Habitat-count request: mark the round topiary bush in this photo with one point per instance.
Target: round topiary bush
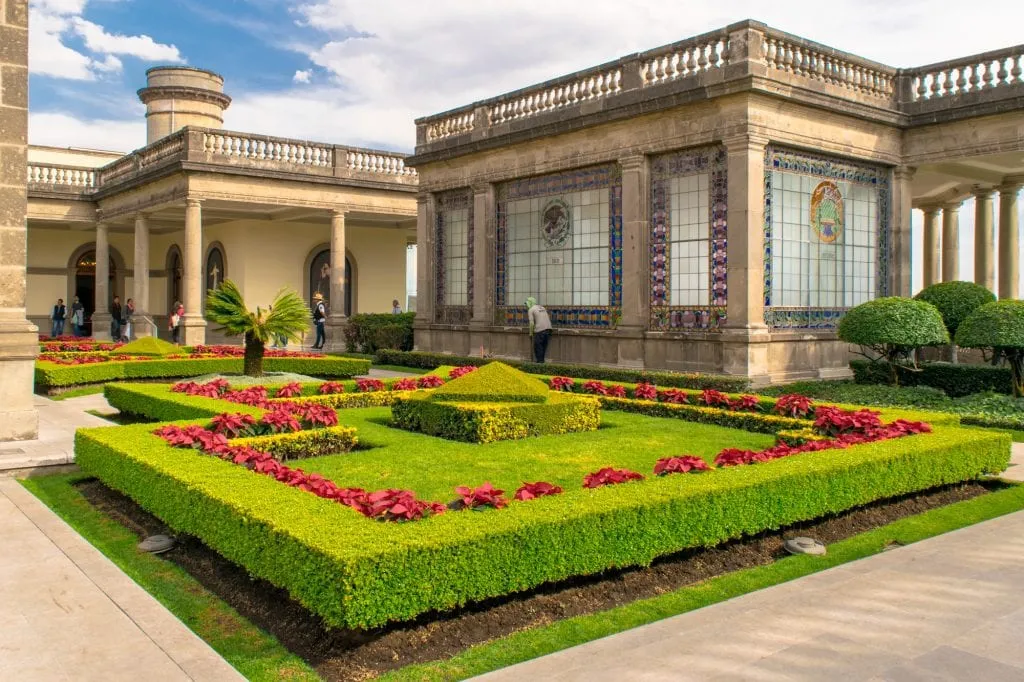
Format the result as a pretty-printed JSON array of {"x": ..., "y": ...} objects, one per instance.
[
  {"x": 1000, "y": 327},
  {"x": 955, "y": 301},
  {"x": 893, "y": 328}
]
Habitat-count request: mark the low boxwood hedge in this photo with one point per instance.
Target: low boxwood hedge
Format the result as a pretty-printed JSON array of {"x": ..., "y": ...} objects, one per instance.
[
  {"x": 334, "y": 440},
  {"x": 425, "y": 360},
  {"x": 51, "y": 375},
  {"x": 358, "y": 573},
  {"x": 955, "y": 380}
]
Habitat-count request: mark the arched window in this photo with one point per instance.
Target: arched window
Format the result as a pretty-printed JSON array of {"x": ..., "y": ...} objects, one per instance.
[
  {"x": 175, "y": 270},
  {"x": 214, "y": 273},
  {"x": 320, "y": 279}
]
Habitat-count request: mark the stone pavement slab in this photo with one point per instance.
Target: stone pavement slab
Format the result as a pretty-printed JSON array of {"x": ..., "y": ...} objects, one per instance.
[
  {"x": 947, "y": 608},
  {"x": 56, "y": 443},
  {"x": 68, "y": 613}
]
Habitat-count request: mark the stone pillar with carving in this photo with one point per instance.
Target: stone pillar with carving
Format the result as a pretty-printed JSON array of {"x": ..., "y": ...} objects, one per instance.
[
  {"x": 425, "y": 292},
  {"x": 745, "y": 335},
  {"x": 19, "y": 341},
  {"x": 635, "y": 260},
  {"x": 484, "y": 226},
  {"x": 336, "y": 319},
  {"x": 932, "y": 256},
  {"x": 140, "y": 278},
  {"x": 1009, "y": 239},
  {"x": 900, "y": 282},
  {"x": 194, "y": 325},
  {"x": 951, "y": 242},
  {"x": 984, "y": 239},
  {"x": 101, "y": 315}
]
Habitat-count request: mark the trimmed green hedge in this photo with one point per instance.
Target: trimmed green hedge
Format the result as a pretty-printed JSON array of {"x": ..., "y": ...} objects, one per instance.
[
  {"x": 357, "y": 573},
  {"x": 51, "y": 375},
  {"x": 370, "y": 332},
  {"x": 333, "y": 440},
  {"x": 424, "y": 360},
  {"x": 955, "y": 380}
]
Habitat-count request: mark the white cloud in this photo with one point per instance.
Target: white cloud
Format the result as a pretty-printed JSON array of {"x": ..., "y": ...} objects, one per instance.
[
  {"x": 51, "y": 22},
  {"x": 65, "y": 130},
  {"x": 303, "y": 76}
]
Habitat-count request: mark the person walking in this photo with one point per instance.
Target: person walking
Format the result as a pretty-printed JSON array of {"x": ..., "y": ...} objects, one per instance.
[
  {"x": 126, "y": 320},
  {"x": 116, "y": 315},
  {"x": 320, "y": 319},
  {"x": 395, "y": 308},
  {"x": 174, "y": 322},
  {"x": 77, "y": 318},
  {"x": 57, "y": 316},
  {"x": 540, "y": 328}
]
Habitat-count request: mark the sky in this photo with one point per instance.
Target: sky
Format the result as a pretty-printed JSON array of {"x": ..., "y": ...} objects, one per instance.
[{"x": 359, "y": 72}]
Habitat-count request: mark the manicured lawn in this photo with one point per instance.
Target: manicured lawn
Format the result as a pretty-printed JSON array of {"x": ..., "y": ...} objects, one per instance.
[
  {"x": 432, "y": 467},
  {"x": 255, "y": 654},
  {"x": 78, "y": 392}
]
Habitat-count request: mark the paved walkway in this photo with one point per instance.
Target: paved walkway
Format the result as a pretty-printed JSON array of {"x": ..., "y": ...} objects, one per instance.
[
  {"x": 948, "y": 608},
  {"x": 56, "y": 443},
  {"x": 68, "y": 613}
]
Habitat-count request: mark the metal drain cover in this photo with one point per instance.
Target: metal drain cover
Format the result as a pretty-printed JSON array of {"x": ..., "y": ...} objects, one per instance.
[
  {"x": 156, "y": 544},
  {"x": 804, "y": 546}
]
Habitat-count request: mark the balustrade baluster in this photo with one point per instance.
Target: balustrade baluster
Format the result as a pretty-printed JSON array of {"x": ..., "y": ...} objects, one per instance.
[
  {"x": 1015, "y": 71},
  {"x": 987, "y": 78},
  {"x": 1002, "y": 74}
]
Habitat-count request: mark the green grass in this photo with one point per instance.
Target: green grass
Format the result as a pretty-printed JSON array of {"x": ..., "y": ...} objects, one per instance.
[
  {"x": 399, "y": 368},
  {"x": 532, "y": 643},
  {"x": 255, "y": 654},
  {"x": 433, "y": 467},
  {"x": 78, "y": 392}
]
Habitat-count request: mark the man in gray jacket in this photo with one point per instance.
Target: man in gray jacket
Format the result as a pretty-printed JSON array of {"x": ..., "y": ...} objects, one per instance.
[{"x": 540, "y": 328}]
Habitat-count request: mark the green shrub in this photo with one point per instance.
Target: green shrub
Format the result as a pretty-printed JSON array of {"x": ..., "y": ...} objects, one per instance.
[
  {"x": 157, "y": 403},
  {"x": 425, "y": 360},
  {"x": 955, "y": 301},
  {"x": 333, "y": 440},
  {"x": 953, "y": 380},
  {"x": 354, "y": 572},
  {"x": 482, "y": 422},
  {"x": 149, "y": 345},
  {"x": 370, "y": 332},
  {"x": 495, "y": 382},
  {"x": 998, "y": 326},
  {"x": 893, "y": 328}
]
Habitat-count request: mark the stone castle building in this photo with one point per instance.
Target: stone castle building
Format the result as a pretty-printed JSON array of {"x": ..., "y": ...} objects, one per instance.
[
  {"x": 712, "y": 205},
  {"x": 199, "y": 204}
]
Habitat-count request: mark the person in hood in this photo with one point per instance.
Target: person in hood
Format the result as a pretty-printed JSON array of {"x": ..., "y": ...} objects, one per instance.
[{"x": 540, "y": 328}]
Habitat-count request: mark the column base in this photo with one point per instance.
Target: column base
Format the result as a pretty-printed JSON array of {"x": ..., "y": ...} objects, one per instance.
[
  {"x": 141, "y": 328},
  {"x": 745, "y": 353},
  {"x": 101, "y": 326},
  {"x": 193, "y": 331},
  {"x": 19, "y": 345},
  {"x": 335, "y": 334},
  {"x": 631, "y": 352}
]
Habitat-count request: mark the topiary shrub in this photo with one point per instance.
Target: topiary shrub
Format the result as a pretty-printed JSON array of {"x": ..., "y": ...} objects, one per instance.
[
  {"x": 955, "y": 301},
  {"x": 370, "y": 332},
  {"x": 149, "y": 345},
  {"x": 892, "y": 328},
  {"x": 998, "y": 326}
]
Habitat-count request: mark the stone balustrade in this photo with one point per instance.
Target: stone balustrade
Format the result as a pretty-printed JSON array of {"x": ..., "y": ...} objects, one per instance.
[
  {"x": 61, "y": 177},
  {"x": 684, "y": 59},
  {"x": 1000, "y": 69},
  {"x": 231, "y": 149},
  {"x": 785, "y": 53}
]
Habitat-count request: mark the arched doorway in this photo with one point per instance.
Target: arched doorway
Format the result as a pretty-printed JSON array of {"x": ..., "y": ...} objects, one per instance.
[
  {"x": 84, "y": 284},
  {"x": 320, "y": 279},
  {"x": 215, "y": 271},
  {"x": 175, "y": 277}
]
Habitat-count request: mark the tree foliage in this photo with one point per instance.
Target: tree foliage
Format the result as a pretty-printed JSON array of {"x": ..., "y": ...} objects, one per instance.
[
  {"x": 893, "y": 328},
  {"x": 287, "y": 317},
  {"x": 955, "y": 301},
  {"x": 998, "y": 326}
]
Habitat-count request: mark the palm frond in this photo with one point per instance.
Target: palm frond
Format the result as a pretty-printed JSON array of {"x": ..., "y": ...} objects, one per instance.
[{"x": 288, "y": 316}]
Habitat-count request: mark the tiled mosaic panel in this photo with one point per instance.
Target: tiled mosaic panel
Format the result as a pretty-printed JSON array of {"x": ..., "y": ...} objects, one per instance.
[
  {"x": 809, "y": 284},
  {"x": 580, "y": 283},
  {"x": 689, "y": 240},
  {"x": 454, "y": 257}
]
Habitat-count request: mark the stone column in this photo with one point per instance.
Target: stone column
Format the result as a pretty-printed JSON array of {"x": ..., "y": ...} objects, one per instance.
[
  {"x": 635, "y": 260},
  {"x": 984, "y": 237},
  {"x": 336, "y": 320},
  {"x": 1009, "y": 240},
  {"x": 194, "y": 325},
  {"x": 19, "y": 341},
  {"x": 101, "y": 315},
  {"x": 900, "y": 281},
  {"x": 425, "y": 293},
  {"x": 484, "y": 225},
  {"x": 745, "y": 335},
  {"x": 932, "y": 216},
  {"x": 951, "y": 242},
  {"x": 140, "y": 278}
]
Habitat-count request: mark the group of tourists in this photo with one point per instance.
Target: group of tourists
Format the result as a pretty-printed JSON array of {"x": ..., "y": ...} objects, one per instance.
[{"x": 120, "y": 318}]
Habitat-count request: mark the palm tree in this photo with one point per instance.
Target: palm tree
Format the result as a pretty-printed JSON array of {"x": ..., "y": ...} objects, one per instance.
[{"x": 287, "y": 316}]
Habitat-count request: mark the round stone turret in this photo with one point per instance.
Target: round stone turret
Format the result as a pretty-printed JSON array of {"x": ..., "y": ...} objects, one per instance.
[{"x": 179, "y": 96}]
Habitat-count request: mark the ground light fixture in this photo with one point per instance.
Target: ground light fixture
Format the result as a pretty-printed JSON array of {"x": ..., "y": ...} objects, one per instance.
[
  {"x": 804, "y": 546},
  {"x": 156, "y": 544}
]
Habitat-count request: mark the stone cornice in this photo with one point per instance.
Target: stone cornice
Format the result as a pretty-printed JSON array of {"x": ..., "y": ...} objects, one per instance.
[{"x": 149, "y": 94}]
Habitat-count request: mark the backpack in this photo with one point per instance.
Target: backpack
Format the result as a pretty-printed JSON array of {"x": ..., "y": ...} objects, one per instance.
[{"x": 319, "y": 313}]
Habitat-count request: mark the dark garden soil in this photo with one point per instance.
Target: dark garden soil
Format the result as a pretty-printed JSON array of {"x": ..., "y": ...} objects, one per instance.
[{"x": 348, "y": 655}]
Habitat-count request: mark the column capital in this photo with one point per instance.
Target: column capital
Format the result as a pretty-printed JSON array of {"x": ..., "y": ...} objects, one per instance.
[
  {"x": 981, "y": 192},
  {"x": 904, "y": 172},
  {"x": 1011, "y": 183},
  {"x": 951, "y": 206},
  {"x": 745, "y": 142},
  {"x": 142, "y": 215},
  {"x": 480, "y": 188},
  {"x": 339, "y": 213},
  {"x": 633, "y": 162},
  {"x": 423, "y": 198},
  {"x": 930, "y": 209},
  {"x": 193, "y": 202},
  {"x": 101, "y": 225}
]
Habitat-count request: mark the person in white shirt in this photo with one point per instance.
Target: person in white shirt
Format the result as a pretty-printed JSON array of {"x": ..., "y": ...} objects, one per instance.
[{"x": 540, "y": 328}]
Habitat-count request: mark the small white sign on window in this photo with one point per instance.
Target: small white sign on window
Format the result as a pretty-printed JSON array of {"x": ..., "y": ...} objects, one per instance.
[{"x": 555, "y": 260}]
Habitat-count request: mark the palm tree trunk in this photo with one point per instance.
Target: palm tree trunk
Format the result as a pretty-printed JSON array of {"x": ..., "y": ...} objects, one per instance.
[{"x": 253, "y": 363}]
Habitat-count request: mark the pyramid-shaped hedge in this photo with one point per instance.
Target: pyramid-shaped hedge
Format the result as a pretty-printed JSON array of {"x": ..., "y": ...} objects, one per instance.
[
  {"x": 149, "y": 345},
  {"x": 495, "y": 382}
]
